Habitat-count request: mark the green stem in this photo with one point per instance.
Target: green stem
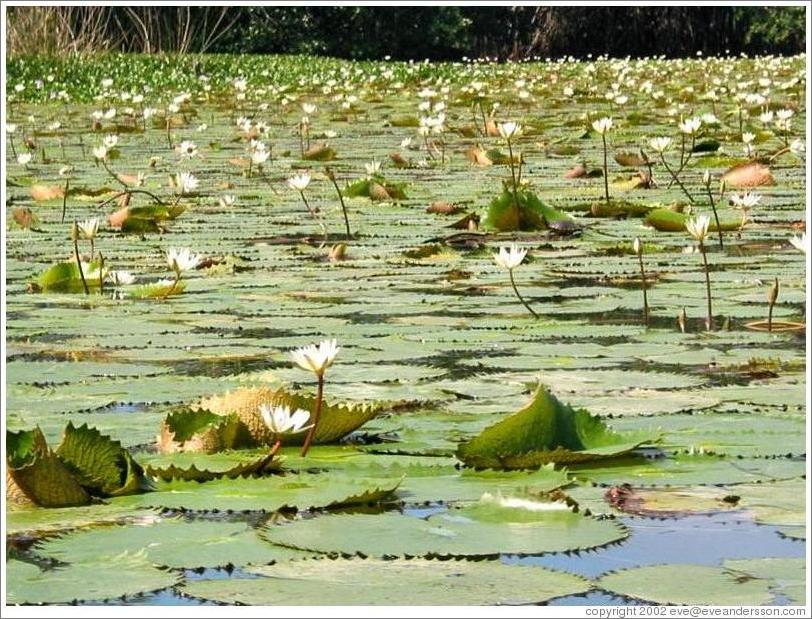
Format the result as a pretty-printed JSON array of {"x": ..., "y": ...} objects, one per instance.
[
  {"x": 645, "y": 287},
  {"x": 307, "y": 204},
  {"x": 516, "y": 290},
  {"x": 605, "y": 169},
  {"x": 676, "y": 179},
  {"x": 709, "y": 320},
  {"x": 716, "y": 217},
  {"x": 316, "y": 415},
  {"x": 343, "y": 206},
  {"x": 79, "y": 263},
  {"x": 65, "y": 198}
]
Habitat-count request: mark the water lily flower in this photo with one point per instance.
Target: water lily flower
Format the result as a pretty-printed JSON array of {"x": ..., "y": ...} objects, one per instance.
[
  {"x": 314, "y": 358},
  {"x": 228, "y": 200},
  {"x": 110, "y": 141},
  {"x": 690, "y": 126},
  {"x": 180, "y": 260},
  {"x": 89, "y": 228},
  {"x": 309, "y": 108},
  {"x": 120, "y": 278},
  {"x": 299, "y": 182},
  {"x": 24, "y": 159},
  {"x": 801, "y": 243},
  {"x": 186, "y": 149},
  {"x": 186, "y": 182},
  {"x": 603, "y": 125},
  {"x": 510, "y": 130},
  {"x": 660, "y": 145},
  {"x": 746, "y": 200},
  {"x": 372, "y": 168},
  {"x": 697, "y": 227},
  {"x": 100, "y": 153},
  {"x": 510, "y": 258},
  {"x": 280, "y": 419}
]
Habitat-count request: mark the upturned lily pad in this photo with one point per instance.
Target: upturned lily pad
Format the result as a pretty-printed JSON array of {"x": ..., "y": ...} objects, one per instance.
[
  {"x": 141, "y": 219},
  {"x": 486, "y": 528},
  {"x": 666, "y": 220},
  {"x": 200, "y": 430},
  {"x": 525, "y": 212},
  {"x": 91, "y": 580},
  {"x": 400, "y": 582},
  {"x": 65, "y": 277},
  {"x": 37, "y": 475},
  {"x": 546, "y": 430},
  {"x": 688, "y": 584},
  {"x": 337, "y": 420},
  {"x": 256, "y": 467},
  {"x": 376, "y": 188}
]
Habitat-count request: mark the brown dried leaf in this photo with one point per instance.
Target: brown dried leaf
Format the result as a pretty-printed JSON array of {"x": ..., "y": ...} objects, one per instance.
[
  {"x": 577, "y": 172},
  {"x": 478, "y": 156},
  {"x": 41, "y": 193},
  {"x": 443, "y": 208},
  {"x": 750, "y": 174}
]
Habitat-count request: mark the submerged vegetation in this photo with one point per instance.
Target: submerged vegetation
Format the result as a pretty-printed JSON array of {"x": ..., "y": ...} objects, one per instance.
[{"x": 181, "y": 232}]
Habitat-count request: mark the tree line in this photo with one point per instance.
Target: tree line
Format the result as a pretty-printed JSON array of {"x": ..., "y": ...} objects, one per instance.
[{"x": 433, "y": 32}]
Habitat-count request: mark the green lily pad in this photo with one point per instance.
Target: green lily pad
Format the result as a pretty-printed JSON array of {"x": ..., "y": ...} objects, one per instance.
[
  {"x": 415, "y": 582},
  {"x": 547, "y": 430}
]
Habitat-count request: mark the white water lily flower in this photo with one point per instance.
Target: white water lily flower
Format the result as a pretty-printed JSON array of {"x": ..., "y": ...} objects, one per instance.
[
  {"x": 697, "y": 227},
  {"x": 603, "y": 125},
  {"x": 100, "y": 153},
  {"x": 660, "y": 145},
  {"x": 748, "y": 137},
  {"x": 180, "y": 260},
  {"x": 89, "y": 227},
  {"x": 798, "y": 148},
  {"x": 24, "y": 158},
  {"x": 280, "y": 420},
  {"x": 373, "y": 167},
  {"x": 745, "y": 200},
  {"x": 510, "y": 258},
  {"x": 259, "y": 156},
  {"x": 11, "y": 128},
  {"x": 110, "y": 141},
  {"x": 314, "y": 358},
  {"x": 637, "y": 246},
  {"x": 309, "y": 108},
  {"x": 186, "y": 149},
  {"x": 690, "y": 126},
  {"x": 149, "y": 112},
  {"x": 227, "y": 201},
  {"x": 299, "y": 182},
  {"x": 121, "y": 278},
  {"x": 801, "y": 243},
  {"x": 186, "y": 182},
  {"x": 510, "y": 130}
]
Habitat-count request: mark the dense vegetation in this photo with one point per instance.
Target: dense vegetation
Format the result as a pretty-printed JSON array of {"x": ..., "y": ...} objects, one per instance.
[{"x": 411, "y": 32}]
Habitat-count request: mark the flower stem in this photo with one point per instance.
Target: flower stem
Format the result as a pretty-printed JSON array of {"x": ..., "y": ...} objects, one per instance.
[
  {"x": 676, "y": 179},
  {"x": 65, "y": 198},
  {"x": 173, "y": 286},
  {"x": 79, "y": 264},
  {"x": 316, "y": 415},
  {"x": 307, "y": 204},
  {"x": 605, "y": 170},
  {"x": 716, "y": 217},
  {"x": 516, "y": 290},
  {"x": 343, "y": 206},
  {"x": 709, "y": 319},
  {"x": 645, "y": 287}
]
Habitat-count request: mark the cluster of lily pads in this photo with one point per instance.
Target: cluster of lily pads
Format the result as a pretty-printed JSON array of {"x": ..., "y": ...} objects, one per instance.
[{"x": 287, "y": 200}]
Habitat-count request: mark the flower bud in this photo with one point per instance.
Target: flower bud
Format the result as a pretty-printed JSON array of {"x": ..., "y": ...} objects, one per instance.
[
  {"x": 773, "y": 294},
  {"x": 638, "y": 247}
]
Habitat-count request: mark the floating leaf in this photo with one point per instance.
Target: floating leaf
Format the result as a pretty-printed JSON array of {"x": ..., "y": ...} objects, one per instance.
[
  {"x": 267, "y": 463},
  {"x": 39, "y": 476},
  {"x": 750, "y": 174},
  {"x": 101, "y": 465},
  {"x": 547, "y": 431},
  {"x": 42, "y": 193},
  {"x": 65, "y": 277},
  {"x": 200, "y": 430},
  {"x": 140, "y": 219},
  {"x": 320, "y": 152},
  {"x": 629, "y": 160},
  {"x": 337, "y": 420},
  {"x": 479, "y": 530},
  {"x": 93, "y": 580},
  {"x": 687, "y": 584},
  {"x": 524, "y": 212},
  {"x": 666, "y": 220},
  {"x": 399, "y": 582}
]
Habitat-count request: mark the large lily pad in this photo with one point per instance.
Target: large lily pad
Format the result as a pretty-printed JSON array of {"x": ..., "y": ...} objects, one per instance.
[
  {"x": 413, "y": 582},
  {"x": 547, "y": 430},
  {"x": 482, "y": 529}
]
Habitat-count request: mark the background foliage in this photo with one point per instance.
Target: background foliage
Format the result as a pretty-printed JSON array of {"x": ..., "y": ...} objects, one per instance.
[{"x": 409, "y": 32}]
